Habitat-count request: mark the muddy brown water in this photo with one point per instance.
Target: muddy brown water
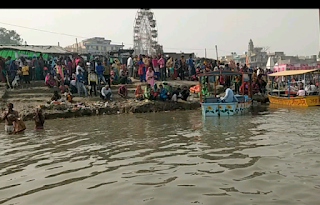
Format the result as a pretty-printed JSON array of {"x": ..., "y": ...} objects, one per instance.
[{"x": 270, "y": 156}]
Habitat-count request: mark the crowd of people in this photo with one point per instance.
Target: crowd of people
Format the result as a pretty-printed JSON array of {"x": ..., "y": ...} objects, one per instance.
[
  {"x": 163, "y": 93},
  {"x": 85, "y": 77},
  {"x": 163, "y": 67},
  {"x": 90, "y": 77}
]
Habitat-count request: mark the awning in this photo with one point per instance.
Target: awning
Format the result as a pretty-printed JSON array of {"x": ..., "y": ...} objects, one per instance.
[
  {"x": 292, "y": 72},
  {"x": 37, "y": 49}
]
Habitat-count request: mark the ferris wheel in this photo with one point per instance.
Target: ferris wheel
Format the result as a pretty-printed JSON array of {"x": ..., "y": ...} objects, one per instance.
[{"x": 145, "y": 37}]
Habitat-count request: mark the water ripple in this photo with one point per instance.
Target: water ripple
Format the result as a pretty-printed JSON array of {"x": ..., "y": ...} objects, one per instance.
[{"x": 271, "y": 156}]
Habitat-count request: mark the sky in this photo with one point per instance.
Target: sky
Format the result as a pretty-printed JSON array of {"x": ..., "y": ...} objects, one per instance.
[{"x": 293, "y": 31}]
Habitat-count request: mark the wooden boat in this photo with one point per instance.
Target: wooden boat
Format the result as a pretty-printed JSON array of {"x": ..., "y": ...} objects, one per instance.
[
  {"x": 288, "y": 98},
  {"x": 211, "y": 105}
]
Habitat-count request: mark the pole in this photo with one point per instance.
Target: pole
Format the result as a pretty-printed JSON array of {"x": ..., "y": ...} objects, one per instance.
[
  {"x": 289, "y": 86},
  {"x": 304, "y": 83},
  {"x": 215, "y": 87},
  {"x": 250, "y": 86},
  {"x": 278, "y": 88},
  {"x": 319, "y": 19},
  {"x": 217, "y": 51},
  {"x": 271, "y": 85},
  {"x": 77, "y": 44},
  {"x": 58, "y": 44},
  {"x": 205, "y": 53},
  {"x": 200, "y": 89}
]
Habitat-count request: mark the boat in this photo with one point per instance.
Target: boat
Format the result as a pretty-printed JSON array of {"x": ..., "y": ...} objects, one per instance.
[
  {"x": 288, "y": 97},
  {"x": 211, "y": 104}
]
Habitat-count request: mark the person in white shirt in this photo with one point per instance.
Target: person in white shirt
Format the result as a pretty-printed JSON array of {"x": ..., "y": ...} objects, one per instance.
[
  {"x": 73, "y": 84},
  {"x": 105, "y": 93},
  {"x": 79, "y": 67},
  {"x": 301, "y": 92},
  {"x": 258, "y": 71},
  {"x": 311, "y": 89},
  {"x": 229, "y": 96},
  {"x": 130, "y": 66}
]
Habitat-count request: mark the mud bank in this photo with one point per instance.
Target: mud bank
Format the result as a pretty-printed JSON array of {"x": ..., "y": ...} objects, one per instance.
[{"x": 130, "y": 106}]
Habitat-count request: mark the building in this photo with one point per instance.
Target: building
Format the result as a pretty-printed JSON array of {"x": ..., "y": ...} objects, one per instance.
[
  {"x": 241, "y": 59},
  {"x": 257, "y": 57},
  {"x": 297, "y": 59},
  {"x": 96, "y": 45}
]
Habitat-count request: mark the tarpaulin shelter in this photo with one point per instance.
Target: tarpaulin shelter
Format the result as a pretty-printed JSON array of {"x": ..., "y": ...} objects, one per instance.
[{"x": 15, "y": 51}]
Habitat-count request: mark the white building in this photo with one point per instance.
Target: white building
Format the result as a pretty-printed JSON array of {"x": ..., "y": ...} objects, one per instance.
[{"x": 96, "y": 45}]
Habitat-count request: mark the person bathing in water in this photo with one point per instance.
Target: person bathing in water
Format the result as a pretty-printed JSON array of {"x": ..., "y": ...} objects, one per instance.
[
  {"x": 38, "y": 118},
  {"x": 9, "y": 117}
]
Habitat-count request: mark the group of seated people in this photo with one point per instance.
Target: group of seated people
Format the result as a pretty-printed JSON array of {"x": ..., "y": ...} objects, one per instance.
[
  {"x": 163, "y": 92},
  {"x": 57, "y": 98},
  {"x": 310, "y": 89},
  {"x": 106, "y": 93}
]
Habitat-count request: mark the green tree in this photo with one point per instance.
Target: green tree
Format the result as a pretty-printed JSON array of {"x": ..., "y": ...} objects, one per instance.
[{"x": 10, "y": 37}]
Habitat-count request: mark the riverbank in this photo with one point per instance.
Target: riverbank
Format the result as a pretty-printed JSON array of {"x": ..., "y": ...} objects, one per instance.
[{"x": 25, "y": 101}]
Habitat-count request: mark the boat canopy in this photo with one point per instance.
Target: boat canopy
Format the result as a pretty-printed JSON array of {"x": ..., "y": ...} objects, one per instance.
[
  {"x": 223, "y": 72},
  {"x": 292, "y": 72}
]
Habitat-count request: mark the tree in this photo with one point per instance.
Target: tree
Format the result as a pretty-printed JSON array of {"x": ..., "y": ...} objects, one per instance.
[{"x": 10, "y": 37}]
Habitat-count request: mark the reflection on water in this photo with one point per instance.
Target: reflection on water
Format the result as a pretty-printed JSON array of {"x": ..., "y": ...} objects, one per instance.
[{"x": 270, "y": 156}]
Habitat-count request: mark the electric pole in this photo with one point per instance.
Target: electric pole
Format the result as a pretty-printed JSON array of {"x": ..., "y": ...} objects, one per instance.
[
  {"x": 77, "y": 44},
  {"x": 205, "y": 53},
  {"x": 217, "y": 51}
]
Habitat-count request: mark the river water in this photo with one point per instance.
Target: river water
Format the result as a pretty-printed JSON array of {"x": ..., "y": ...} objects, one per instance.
[{"x": 270, "y": 156}]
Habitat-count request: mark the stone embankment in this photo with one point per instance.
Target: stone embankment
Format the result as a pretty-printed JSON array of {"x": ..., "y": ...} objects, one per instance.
[
  {"x": 130, "y": 106},
  {"x": 25, "y": 101}
]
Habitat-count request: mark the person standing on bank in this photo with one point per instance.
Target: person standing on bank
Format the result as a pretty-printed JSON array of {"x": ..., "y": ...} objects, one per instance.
[
  {"x": 9, "y": 117},
  {"x": 190, "y": 66},
  {"x": 25, "y": 73},
  {"x": 182, "y": 67},
  {"x": 80, "y": 84},
  {"x": 99, "y": 71},
  {"x": 130, "y": 66},
  {"x": 162, "y": 68},
  {"x": 93, "y": 80},
  {"x": 106, "y": 72}
]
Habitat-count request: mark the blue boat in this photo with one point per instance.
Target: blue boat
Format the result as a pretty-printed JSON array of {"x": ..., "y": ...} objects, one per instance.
[{"x": 211, "y": 105}]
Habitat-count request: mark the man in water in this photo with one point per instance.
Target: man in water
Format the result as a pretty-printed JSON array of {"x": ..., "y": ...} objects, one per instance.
[
  {"x": 10, "y": 116},
  {"x": 229, "y": 96},
  {"x": 38, "y": 118}
]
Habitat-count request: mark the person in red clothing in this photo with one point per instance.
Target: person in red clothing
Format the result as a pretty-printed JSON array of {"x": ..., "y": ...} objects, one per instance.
[
  {"x": 140, "y": 69},
  {"x": 69, "y": 66},
  {"x": 244, "y": 87},
  {"x": 123, "y": 91}
]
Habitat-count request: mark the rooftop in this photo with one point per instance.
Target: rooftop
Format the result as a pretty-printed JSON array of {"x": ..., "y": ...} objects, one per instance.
[{"x": 36, "y": 48}]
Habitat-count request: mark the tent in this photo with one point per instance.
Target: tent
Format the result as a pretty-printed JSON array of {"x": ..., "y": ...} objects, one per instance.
[
  {"x": 270, "y": 63},
  {"x": 28, "y": 51}
]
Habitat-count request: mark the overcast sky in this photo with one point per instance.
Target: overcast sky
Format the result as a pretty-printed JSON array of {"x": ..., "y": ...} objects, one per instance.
[{"x": 294, "y": 31}]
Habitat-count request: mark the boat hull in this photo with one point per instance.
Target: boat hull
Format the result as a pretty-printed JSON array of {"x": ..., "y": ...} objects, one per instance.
[
  {"x": 307, "y": 101},
  {"x": 225, "y": 109}
]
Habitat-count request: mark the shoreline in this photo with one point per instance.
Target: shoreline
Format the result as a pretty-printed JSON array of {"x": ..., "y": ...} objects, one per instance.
[
  {"x": 26, "y": 100},
  {"x": 113, "y": 108}
]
